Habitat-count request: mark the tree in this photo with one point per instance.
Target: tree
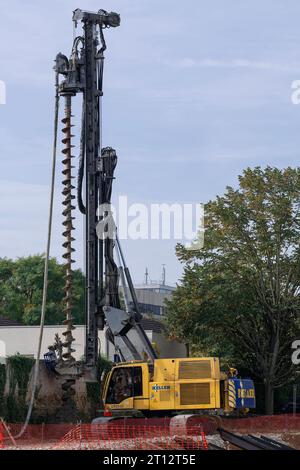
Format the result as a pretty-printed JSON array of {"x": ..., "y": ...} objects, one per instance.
[
  {"x": 240, "y": 293},
  {"x": 21, "y": 287}
]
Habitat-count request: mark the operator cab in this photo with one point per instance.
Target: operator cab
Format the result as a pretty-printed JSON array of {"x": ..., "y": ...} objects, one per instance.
[{"x": 124, "y": 383}]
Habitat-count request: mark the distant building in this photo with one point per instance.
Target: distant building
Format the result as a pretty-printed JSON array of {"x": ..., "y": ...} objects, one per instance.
[
  {"x": 151, "y": 297},
  {"x": 5, "y": 323}
]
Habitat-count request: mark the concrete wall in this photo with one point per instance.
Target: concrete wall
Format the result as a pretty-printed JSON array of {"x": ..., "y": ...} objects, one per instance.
[{"x": 24, "y": 340}]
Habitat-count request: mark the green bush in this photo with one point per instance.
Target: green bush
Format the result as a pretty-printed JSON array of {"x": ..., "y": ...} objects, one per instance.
[{"x": 14, "y": 406}]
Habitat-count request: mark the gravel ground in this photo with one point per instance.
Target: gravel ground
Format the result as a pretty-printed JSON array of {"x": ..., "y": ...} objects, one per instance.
[{"x": 292, "y": 439}]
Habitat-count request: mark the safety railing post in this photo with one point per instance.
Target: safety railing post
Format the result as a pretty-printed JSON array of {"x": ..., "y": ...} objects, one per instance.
[
  {"x": 294, "y": 399},
  {"x": 80, "y": 434}
]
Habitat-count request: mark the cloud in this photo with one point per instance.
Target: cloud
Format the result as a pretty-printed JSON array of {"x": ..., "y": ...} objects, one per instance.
[
  {"x": 23, "y": 215},
  {"x": 207, "y": 87},
  {"x": 24, "y": 221},
  {"x": 187, "y": 62}
]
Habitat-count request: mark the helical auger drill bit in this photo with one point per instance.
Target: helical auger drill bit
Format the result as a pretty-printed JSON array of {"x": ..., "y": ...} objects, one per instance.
[{"x": 67, "y": 234}]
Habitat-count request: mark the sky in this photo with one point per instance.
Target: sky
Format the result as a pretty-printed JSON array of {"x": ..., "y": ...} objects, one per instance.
[{"x": 194, "y": 92}]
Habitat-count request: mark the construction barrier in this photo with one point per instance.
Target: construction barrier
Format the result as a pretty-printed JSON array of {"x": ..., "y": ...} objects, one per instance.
[
  {"x": 36, "y": 436},
  {"x": 1, "y": 435},
  {"x": 248, "y": 424},
  {"x": 126, "y": 436},
  {"x": 264, "y": 424},
  {"x": 140, "y": 433}
]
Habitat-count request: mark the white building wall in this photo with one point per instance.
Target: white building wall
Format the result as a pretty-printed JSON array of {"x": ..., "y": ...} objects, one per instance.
[{"x": 24, "y": 340}]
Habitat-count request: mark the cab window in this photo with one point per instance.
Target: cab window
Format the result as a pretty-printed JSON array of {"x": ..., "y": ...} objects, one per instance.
[
  {"x": 125, "y": 382},
  {"x": 120, "y": 386},
  {"x": 137, "y": 381}
]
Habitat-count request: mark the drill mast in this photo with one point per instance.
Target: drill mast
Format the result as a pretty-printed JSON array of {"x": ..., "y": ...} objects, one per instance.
[{"x": 83, "y": 73}]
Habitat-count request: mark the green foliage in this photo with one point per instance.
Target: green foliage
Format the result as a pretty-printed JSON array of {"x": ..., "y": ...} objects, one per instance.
[
  {"x": 2, "y": 387},
  {"x": 20, "y": 368},
  {"x": 21, "y": 287},
  {"x": 239, "y": 294},
  {"x": 14, "y": 404},
  {"x": 94, "y": 389}
]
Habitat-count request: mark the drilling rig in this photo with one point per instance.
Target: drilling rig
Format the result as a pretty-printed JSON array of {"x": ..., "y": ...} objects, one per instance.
[
  {"x": 139, "y": 380},
  {"x": 82, "y": 73}
]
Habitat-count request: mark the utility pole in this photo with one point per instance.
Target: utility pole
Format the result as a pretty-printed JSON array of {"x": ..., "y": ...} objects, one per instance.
[
  {"x": 146, "y": 276},
  {"x": 163, "y": 275}
]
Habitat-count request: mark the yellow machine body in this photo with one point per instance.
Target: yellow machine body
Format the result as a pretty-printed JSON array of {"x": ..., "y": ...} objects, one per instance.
[{"x": 168, "y": 384}]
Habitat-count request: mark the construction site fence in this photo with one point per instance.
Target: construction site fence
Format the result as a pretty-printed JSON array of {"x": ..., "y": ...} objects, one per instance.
[
  {"x": 139, "y": 433},
  {"x": 264, "y": 424},
  {"x": 130, "y": 437}
]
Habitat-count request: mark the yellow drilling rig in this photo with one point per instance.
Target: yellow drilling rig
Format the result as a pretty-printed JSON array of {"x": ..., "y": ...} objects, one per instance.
[{"x": 139, "y": 380}]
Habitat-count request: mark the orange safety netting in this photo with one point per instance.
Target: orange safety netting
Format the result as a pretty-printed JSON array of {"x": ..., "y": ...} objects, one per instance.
[
  {"x": 263, "y": 424},
  {"x": 142, "y": 433},
  {"x": 130, "y": 437},
  {"x": 36, "y": 436}
]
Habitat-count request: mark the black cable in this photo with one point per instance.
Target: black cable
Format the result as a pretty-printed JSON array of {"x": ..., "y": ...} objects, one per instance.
[
  {"x": 80, "y": 202},
  {"x": 100, "y": 56}
]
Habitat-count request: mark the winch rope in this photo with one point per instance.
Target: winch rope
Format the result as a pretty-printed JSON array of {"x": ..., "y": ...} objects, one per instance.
[{"x": 46, "y": 264}]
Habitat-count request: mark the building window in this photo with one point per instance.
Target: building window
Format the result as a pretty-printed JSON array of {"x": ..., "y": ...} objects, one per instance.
[{"x": 149, "y": 308}]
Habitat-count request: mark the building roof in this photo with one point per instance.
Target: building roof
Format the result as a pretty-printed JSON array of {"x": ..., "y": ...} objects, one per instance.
[
  {"x": 155, "y": 286},
  {"x": 8, "y": 322}
]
